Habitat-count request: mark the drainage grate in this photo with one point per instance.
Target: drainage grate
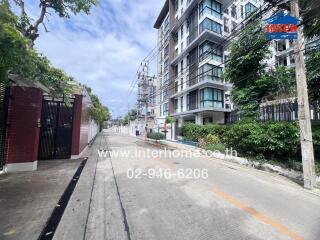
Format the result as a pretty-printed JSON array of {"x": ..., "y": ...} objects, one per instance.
[{"x": 54, "y": 220}]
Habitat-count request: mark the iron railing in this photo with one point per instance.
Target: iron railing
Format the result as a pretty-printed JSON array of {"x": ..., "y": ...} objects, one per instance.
[{"x": 287, "y": 111}]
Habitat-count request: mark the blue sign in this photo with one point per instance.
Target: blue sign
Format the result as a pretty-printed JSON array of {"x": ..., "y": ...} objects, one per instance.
[{"x": 282, "y": 26}]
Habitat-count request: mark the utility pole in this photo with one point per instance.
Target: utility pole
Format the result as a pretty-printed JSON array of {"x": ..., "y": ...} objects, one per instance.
[
  {"x": 146, "y": 88},
  {"x": 128, "y": 118},
  {"x": 307, "y": 152},
  {"x": 143, "y": 93}
]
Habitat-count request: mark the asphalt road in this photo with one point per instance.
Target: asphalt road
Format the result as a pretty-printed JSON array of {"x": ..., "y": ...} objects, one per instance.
[{"x": 229, "y": 202}]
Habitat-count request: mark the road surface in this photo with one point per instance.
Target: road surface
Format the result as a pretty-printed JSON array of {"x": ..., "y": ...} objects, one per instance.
[{"x": 227, "y": 201}]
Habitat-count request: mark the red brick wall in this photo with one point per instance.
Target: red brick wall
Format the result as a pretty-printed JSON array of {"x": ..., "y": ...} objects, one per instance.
[
  {"x": 80, "y": 138},
  {"x": 23, "y": 120},
  {"x": 77, "y": 109},
  {"x": 84, "y": 132}
]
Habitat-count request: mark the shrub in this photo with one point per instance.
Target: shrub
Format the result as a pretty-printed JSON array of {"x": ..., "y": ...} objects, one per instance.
[
  {"x": 194, "y": 132},
  {"x": 156, "y": 136},
  {"x": 271, "y": 139},
  {"x": 316, "y": 139},
  {"x": 209, "y": 139}
]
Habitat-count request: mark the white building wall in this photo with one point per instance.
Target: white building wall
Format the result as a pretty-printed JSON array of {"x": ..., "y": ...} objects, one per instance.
[{"x": 94, "y": 129}]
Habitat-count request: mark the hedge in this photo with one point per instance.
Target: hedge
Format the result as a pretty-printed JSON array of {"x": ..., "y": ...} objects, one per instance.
[
  {"x": 194, "y": 132},
  {"x": 272, "y": 141},
  {"x": 251, "y": 138},
  {"x": 267, "y": 140},
  {"x": 156, "y": 136}
]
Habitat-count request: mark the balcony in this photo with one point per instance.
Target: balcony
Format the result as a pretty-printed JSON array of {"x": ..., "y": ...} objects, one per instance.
[
  {"x": 185, "y": 15},
  {"x": 204, "y": 82},
  {"x": 202, "y": 109},
  {"x": 282, "y": 48},
  {"x": 205, "y": 35},
  {"x": 190, "y": 5}
]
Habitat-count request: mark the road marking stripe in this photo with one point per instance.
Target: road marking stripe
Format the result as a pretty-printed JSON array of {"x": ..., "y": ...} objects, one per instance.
[{"x": 260, "y": 216}]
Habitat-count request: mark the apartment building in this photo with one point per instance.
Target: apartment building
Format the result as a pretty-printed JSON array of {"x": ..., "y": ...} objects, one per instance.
[
  {"x": 193, "y": 42},
  {"x": 191, "y": 53}
]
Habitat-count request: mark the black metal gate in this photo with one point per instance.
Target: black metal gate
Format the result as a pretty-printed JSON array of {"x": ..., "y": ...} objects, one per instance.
[
  {"x": 3, "y": 122},
  {"x": 56, "y": 129}
]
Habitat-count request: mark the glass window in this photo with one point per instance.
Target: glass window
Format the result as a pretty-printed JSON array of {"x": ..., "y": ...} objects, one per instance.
[
  {"x": 166, "y": 79},
  {"x": 181, "y": 104},
  {"x": 175, "y": 103},
  {"x": 209, "y": 50},
  {"x": 165, "y": 109},
  {"x": 211, "y": 97},
  {"x": 192, "y": 100},
  {"x": 210, "y": 7},
  {"x": 166, "y": 51},
  {"x": 210, "y": 72},
  {"x": 176, "y": 71},
  {"x": 166, "y": 65},
  {"x": 249, "y": 9},
  {"x": 208, "y": 24},
  {"x": 181, "y": 29},
  {"x": 234, "y": 11}
]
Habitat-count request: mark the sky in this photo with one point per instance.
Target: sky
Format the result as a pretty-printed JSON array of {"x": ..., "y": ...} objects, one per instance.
[{"x": 102, "y": 50}]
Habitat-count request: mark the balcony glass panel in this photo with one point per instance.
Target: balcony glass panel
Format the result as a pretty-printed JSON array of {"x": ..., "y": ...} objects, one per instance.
[
  {"x": 211, "y": 97},
  {"x": 209, "y": 50},
  {"x": 208, "y": 24},
  {"x": 209, "y": 72},
  {"x": 210, "y": 7}
]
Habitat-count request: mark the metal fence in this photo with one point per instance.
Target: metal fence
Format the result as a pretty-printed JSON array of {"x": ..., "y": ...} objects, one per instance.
[
  {"x": 56, "y": 129},
  {"x": 287, "y": 111}
]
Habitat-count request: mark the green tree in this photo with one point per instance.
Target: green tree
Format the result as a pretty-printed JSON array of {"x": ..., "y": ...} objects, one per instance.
[
  {"x": 14, "y": 50},
  {"x": 245, "y": 67},
  {"x": 247, "y": 70},
  {"x": 131, "y": 116},
  {"x": 276, "y": 83},
  {"x": 98, "y": 112},
  {"x": 310, "y": 13},
  {"x": 313, "y": 74},
  {"x": 30, "y": 28},
  {"x": 18, "y": 59}
]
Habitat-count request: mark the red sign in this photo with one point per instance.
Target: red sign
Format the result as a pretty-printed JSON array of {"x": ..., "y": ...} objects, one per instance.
[{"x": 281, "y": 28}]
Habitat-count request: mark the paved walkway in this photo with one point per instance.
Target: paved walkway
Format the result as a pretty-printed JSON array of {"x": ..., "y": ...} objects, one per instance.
[{"x": 27, "y": 199}]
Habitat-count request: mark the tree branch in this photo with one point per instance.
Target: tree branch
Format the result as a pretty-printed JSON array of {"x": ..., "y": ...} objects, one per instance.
[
  {"x": 41, "y": 18},
  {"x": 20, "y": 3},
  {"x": 45, "y": 27}
]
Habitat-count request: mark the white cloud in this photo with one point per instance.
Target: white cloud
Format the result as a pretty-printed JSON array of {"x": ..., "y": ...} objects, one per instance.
[{"x": 102, "y": 50}]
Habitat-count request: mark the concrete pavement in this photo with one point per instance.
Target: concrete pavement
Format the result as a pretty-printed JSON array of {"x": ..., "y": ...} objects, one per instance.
[
  {"x": 232, "y": 203},
  {"x": 28, "y": 198}
]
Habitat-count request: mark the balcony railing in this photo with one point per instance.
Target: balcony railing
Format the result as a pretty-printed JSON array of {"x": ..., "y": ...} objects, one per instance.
[
  {"x": 194, "y": 80},
  {"x": 211, "y": 12}
]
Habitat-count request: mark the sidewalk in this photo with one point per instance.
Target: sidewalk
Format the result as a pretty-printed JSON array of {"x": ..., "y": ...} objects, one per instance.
[{"x": 27, "y": 199}]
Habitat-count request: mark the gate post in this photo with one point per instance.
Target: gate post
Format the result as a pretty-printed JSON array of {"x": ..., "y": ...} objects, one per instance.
[
  {"x": 23, "y": 129},
  {"x": 76, "y": 127}
]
